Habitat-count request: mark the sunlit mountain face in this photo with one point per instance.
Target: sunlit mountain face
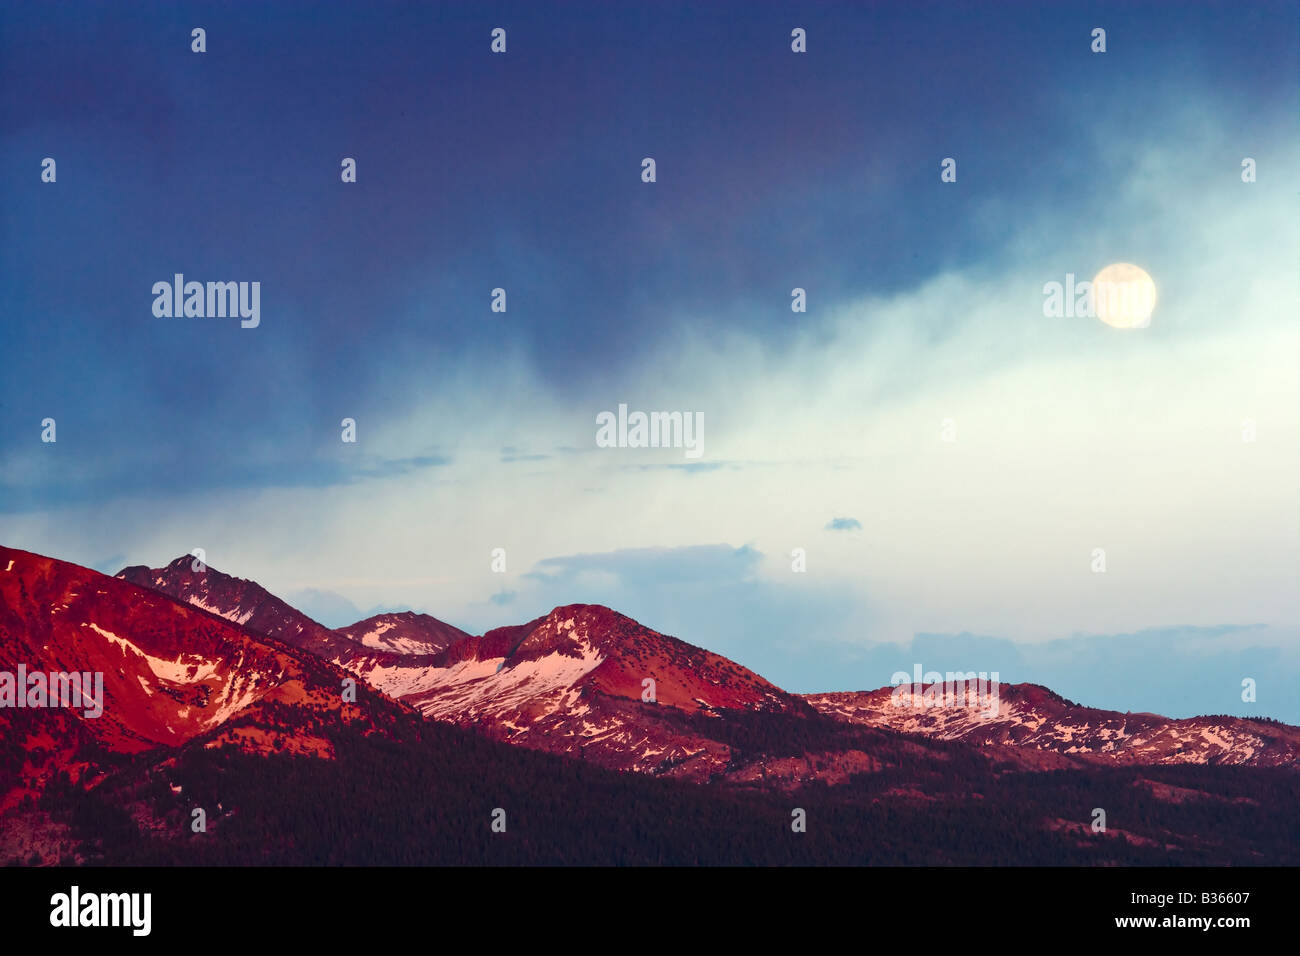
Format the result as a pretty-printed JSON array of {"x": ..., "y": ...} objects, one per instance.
[{"x": 198, "y": 711}]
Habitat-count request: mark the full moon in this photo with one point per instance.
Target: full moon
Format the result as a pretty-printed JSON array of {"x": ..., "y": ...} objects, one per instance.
[{"x": 1123, "y": 296}]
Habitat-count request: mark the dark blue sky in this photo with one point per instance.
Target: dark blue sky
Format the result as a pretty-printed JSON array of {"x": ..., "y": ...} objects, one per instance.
[{"x": 520, "y": 171}]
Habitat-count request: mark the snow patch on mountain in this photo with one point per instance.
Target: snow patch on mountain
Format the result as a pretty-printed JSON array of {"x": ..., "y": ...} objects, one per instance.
[
  {"x": 402, "y": 681},
  {"x": 186, "y": 669},
  {"x": 228, "y": 614},
  {"x": 476, "y": 688}
]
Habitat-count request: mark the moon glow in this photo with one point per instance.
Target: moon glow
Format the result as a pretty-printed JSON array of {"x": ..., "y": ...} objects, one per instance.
[{"x": 1124, "y": 296}]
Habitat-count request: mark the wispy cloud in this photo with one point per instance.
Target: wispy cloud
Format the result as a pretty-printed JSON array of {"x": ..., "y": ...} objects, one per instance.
[
  {"x": 844, "y": 524},
  {"x": 49, "y": 485}
]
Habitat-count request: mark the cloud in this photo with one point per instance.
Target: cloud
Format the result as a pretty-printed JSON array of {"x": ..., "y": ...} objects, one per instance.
[
  {"x": 110, "y": 565},
  {"x": 1175, "y": 671},
  {"x": 47, "y": 482},
  {"x": 325, "y": 607},
  {"x": 710, "y": 564},
  {"x": 690, "y": 468},
  {"x": 844, "y": 524}
]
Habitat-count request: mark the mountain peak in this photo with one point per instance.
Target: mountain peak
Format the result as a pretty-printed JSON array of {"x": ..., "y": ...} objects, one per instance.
[
  {"x": 238, "y": 600},
  {"x": 569, "y": 617},
  {"x": 404, "y": 632}
]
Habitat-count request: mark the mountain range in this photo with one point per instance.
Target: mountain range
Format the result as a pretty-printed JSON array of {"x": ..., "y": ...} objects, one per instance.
[
  {"x": 200, "y": 666},
  {"x": 574, "y": 681}
]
